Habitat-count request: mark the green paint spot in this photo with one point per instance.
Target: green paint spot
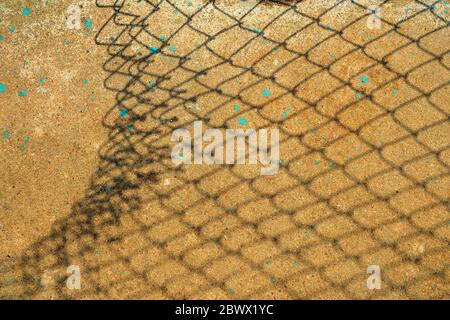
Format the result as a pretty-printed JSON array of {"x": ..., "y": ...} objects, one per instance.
[
  {"x": 332, "y": 165},
  {"x": 364, "y": 78},
  {"x": 23, "y": 93},
  {"x": 231, "y": 290},
  {"x": 85, "y": 82},
  {"x": 394, "y": 91},
  {"x": 41, "y": 80},
  {"x": 123, "y": 113},
  {"x": 236, "y": 107},
  {"x": 2, "y": 37},
  {"x": 22, "y": 148},
  {"x": 6, "y": 134},
  {"x": 11, "y": 28},
  {"x": 88, "y": 23}
]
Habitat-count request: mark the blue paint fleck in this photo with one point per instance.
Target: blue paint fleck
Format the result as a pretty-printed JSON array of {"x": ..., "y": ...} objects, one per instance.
[
  {"x": 23, "y": 93},
  {"x": 123, "y": 113},
  {"x": 153, "y": 50},
  {"x": 266, "y": 92},
  {"x": 26, "y": 11}
]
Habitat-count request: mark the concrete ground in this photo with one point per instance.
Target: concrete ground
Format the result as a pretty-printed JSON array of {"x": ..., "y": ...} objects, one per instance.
[{"x": 87, "y": 179}]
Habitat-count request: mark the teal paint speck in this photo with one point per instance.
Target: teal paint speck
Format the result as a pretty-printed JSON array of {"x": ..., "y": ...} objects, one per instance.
[
  {"x": 88, "y": 23},
  {"x": 236, "y": 107},
  {"x": 123, "y": 113},
  {"x": 242, "y": 121},
  {"x": 11, "y": 28},
  {"x": 85, "y": 82},
  {"x": 6, "y": 134},
  {"x": 357, "y": 95},
  {"x": 2, "y": 87},
  {"x": 266, "y": 92},
  {"x": 153, "y": 50},
  {"x": 2, "y": 37},
  {"x": 23, "y": 93},
  {"x": 26, "y": 11},
  {"x": 172, "y": 48},
  {"x": 394, "y": 91},
  {"x": 41, "y": 80},
  {"x": 364, "y": 78}
]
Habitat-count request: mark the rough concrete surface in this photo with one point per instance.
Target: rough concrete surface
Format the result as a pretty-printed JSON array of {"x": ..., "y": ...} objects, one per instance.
[{"x": 87, "y": 179}]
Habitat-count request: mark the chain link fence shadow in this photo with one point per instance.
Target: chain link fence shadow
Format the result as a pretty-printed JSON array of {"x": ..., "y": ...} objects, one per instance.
[{"x": 364, "y": 146}]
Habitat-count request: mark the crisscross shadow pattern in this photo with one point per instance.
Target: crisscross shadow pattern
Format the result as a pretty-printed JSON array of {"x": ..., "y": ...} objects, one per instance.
[{"x": 364, "y": 146}]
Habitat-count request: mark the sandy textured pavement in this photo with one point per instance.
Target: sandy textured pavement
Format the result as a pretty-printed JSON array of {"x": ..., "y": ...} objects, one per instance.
[{"x": 87, "y": 180}]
